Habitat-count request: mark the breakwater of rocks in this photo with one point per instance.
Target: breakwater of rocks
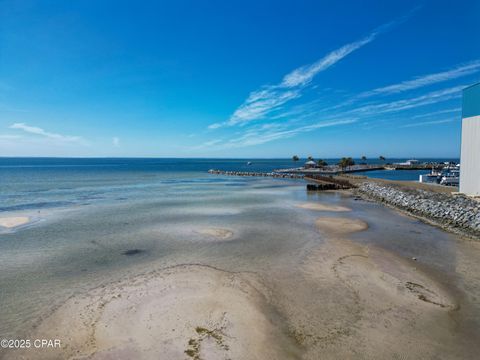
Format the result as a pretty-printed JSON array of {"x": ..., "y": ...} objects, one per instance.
[
  {"x": 254, "y": 173},
  {"x": 453, "y": 212}
]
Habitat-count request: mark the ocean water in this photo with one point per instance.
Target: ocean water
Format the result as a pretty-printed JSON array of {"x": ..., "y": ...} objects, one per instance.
[
  {"x": 403, "y": 175},
  {"x": 89, "y": 214},
  {"x": 99, "y": 220}
]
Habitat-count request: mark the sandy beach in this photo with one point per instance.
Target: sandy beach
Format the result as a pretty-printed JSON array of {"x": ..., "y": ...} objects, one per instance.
[
  {"x": 323, "y": 207},
  {"x": 339, "y": 225},
  {"x": 13, "y": 221},
  {"x": 345, "y": 300},
  {"x": 377, "y": 306},
  {"x": 216, "y": 233},
  {"x": 186, "y": 311}
]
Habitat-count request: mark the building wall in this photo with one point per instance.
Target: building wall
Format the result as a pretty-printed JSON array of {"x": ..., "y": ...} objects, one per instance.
[{"x": 470, "y": 156}]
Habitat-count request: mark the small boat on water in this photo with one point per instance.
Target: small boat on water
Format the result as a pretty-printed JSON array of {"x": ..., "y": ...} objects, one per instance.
[
  {"x": 449, "y": 176},
  {"x": 249, "y": 163},
  {"x": 432, "y": 178}
]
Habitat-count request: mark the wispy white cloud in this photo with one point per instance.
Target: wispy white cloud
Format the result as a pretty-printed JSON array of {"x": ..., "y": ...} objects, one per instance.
[
  {"x": 259, "y": 103},
  {"x": 425, "y": 80},
  {"x": 270, "y": 132},
  {"x": 305, "y": 74},
  {"x": 259, "y": 134},
  {"x": 434, "y": 113},
  {"x": 422, "y": 81},
  {"x": 366, "y": 112},
  {"x": 405, "y": 104},
  {"x": 297, "y": 117},
  {"x": 116, "y": 141},
  {"x": 271, "y": 97},
  {"x": 427, "y": 123},
  {"x": 41, "y": 132},
  {"x": 211, "y": 142},
  {"x": 374, "y": 108}
]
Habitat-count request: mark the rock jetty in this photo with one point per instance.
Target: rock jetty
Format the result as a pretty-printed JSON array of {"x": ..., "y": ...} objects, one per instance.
[
  {"x": 453, "y": 212},
  {"x": 259, "y": 174}
]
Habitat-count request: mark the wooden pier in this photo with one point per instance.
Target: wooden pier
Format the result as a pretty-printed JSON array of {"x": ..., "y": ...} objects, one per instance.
[{"x": 327, "y": 183}]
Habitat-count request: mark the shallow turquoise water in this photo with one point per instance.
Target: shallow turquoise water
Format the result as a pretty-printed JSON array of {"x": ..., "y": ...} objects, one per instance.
[{"x": 89, "y": 216}]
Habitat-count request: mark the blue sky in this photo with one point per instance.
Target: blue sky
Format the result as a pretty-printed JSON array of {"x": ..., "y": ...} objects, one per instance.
[{"x": 235, "y": 78}]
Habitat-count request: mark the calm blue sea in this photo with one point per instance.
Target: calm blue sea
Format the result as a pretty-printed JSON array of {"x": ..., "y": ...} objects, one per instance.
[{"x": 42, "y": 183}]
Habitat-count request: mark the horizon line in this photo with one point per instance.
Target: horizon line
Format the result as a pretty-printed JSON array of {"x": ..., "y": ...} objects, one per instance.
[{"x": 219, "y": 158}]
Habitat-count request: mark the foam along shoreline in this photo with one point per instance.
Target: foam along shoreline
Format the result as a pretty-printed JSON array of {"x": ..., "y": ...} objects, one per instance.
[
  {"x": 182, "y": 312},
  {"x": 13, "y": 221},
  {"x": 323, "y": 207}
]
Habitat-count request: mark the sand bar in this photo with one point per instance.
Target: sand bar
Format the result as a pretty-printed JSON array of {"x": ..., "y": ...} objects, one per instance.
[
  {"x": 323, "y": 207},
  {"x": 344, "y": 300},
  {"x": 351, "y": 299},
  {"x": 183, "y": 312},
  {"x": 13, "y": 221},
  {"x": 373, "y": 303},
  {"x": 217, "y": 233},
  {"x": 340, "y": 225}
]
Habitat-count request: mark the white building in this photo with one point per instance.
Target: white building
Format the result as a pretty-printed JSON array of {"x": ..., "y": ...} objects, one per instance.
[
  {"x": 310, "y": 164},
  {"x": 409, "y": 162},
  {"x": 470, "y": 156}
]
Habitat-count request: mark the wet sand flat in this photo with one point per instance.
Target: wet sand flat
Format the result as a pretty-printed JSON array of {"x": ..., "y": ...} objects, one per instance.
[
  {"x": 13, "y": 221},
  {"x": 269, "y": 294},
  {"x": 186, "y": 311},
  {"x": 368, "y": 303},
  {"x": 376, "y": 305},
  {"x": 340, "y": 225},
  {"x": 216, "y": 233},
  {"x": 323, "y": 207}
]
